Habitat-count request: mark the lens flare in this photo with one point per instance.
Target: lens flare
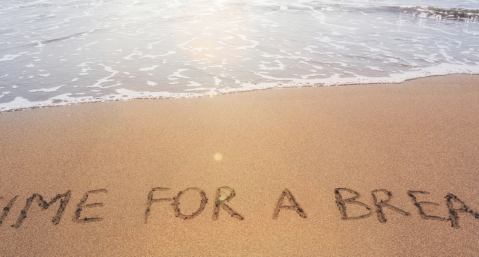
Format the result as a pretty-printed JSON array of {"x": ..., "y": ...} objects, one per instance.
[{"x": 218, "y": 157}]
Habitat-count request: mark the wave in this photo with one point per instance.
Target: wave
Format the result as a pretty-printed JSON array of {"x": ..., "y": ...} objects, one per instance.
[
  {"x": 467, "y": 15},
  {"x": 20, "y": 103},
  {"x": 51, "y": 40},
  {"x": 434, "y": 10}
]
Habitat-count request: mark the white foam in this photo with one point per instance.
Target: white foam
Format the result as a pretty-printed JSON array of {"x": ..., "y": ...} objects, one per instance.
[
  {"x": 105, "y": 79},
  {"x": 177, "y": 74},
  {"x": 128, "y": 57},
  {"x": 18, "y": 103},
  {"x": 311, "y": 75},
  {"x": 150, "y": 45},
  {"x": 193, "y": 84},
  {"x": 40, "y": 44},
  {"x": 52, "y": 89},
  {"x": 374, "y": 68},
  {"x": 187, "y": 42},
  {"x": 125, "y": 94},
  {"x": 428, "y": 58},
  {"x": 475, "y": 33},
  {"x": 159, "y": 55},
  {"x": 200, "y": 89},
  {"x": 245, "y": 38},
  {"x": 4, "y": 94},
  {"x": 217, "y": 81},
  {"x": 149, "y": 68},
  {"x": 280, "y": 66},
  {"x": 9, "y": 57},
  {"x": 335, "y": 79}
]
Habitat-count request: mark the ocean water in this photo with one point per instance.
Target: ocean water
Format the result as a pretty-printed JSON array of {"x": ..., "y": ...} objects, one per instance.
[{"x": 59, "y": 52}]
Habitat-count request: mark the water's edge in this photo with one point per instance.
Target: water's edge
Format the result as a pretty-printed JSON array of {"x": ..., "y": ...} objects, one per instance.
[{"x": 20, "y": 103}]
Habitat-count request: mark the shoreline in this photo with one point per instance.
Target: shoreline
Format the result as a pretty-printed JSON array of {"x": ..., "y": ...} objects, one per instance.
[
  {"x": 65, "y": 100},
  {"x": 294, "y": 147}
]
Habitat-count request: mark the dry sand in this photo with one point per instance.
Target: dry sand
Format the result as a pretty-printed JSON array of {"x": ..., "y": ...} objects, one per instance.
[{"x": 421, "y": 135}]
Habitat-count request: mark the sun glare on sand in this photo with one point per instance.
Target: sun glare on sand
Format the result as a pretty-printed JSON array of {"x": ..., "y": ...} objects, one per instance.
[{"x": 218, "y": 157}]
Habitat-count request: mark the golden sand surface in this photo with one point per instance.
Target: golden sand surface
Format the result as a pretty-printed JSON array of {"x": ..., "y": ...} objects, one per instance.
[{"x": 287, "y": 163}]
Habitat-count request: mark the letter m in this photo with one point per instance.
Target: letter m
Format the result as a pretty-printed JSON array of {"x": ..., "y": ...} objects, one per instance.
[{"x": 44, "y": 205}]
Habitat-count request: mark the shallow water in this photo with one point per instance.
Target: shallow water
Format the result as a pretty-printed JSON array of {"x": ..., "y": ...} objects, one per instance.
[{"x": 62, "y": 52}]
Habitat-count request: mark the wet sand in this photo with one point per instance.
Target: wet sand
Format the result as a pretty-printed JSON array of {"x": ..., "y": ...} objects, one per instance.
[{"x": 417, "y": 141}]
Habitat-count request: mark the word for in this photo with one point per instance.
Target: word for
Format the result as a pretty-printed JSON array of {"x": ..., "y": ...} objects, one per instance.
[{"x": 381, "y": 199}]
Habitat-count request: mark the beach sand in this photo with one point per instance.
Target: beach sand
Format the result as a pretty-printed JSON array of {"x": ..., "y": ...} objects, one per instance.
[{"x": 420, "y": 135}]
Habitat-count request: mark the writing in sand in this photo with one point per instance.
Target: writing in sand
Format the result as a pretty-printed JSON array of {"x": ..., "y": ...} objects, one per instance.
[{"x": 344, "y": 198}]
